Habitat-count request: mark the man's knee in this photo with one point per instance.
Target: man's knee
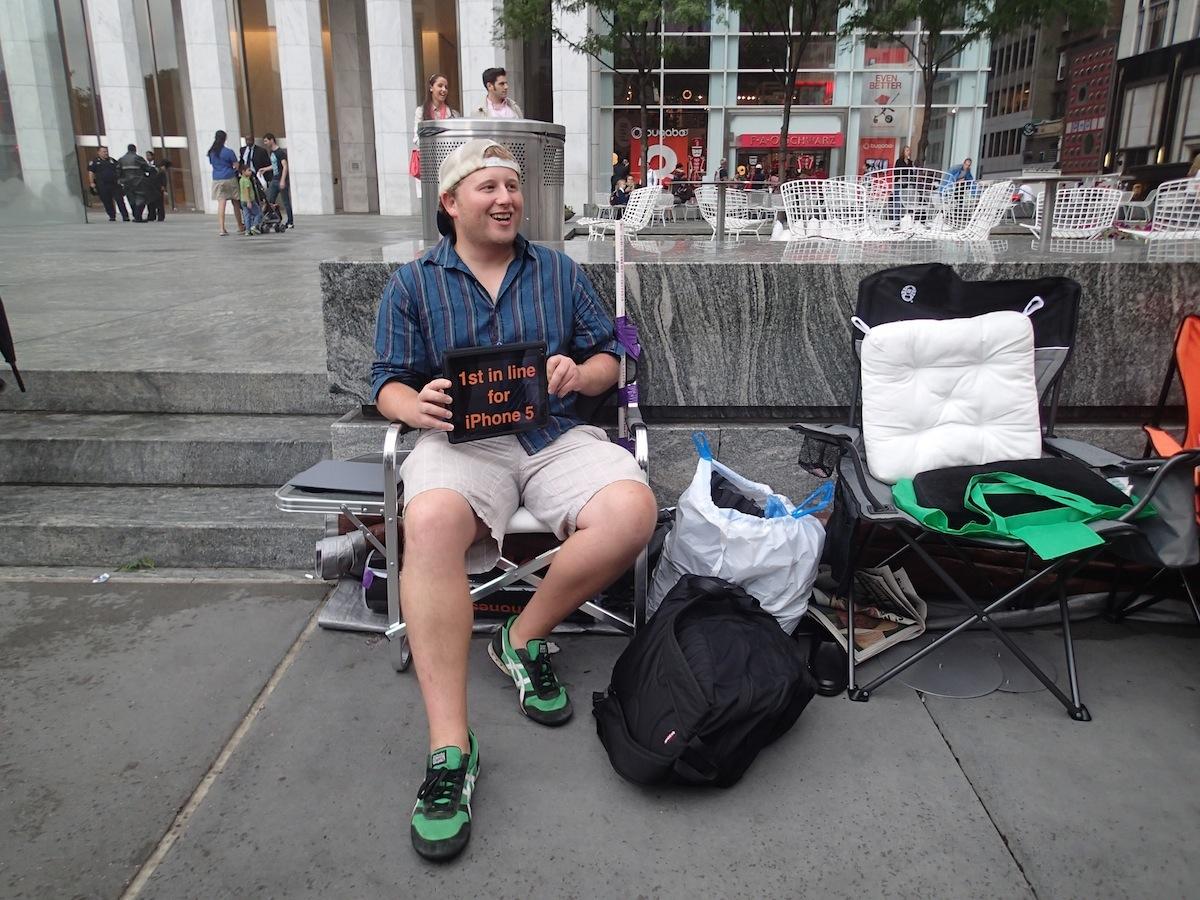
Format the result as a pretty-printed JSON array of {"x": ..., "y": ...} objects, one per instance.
[
  {"x": 627, "y": 508},
  {"x": 439, "y": 522}
]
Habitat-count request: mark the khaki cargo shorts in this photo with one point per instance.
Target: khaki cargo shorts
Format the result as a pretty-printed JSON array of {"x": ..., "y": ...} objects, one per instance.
[{"x": 496, "y": 476}]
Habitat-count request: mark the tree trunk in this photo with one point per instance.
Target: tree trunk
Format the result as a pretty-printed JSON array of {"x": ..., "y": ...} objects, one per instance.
[
  {"x": 786, "y": 128},
  {"x": 927, "y": 79},
  {"x": 645, "y": 142}
]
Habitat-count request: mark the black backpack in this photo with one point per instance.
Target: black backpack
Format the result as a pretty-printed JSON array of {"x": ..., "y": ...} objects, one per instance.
[{"x": 709, "y": 682}]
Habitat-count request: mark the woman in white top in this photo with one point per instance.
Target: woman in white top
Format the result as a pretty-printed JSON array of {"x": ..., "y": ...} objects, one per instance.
[{"x": 435, "y": 106}]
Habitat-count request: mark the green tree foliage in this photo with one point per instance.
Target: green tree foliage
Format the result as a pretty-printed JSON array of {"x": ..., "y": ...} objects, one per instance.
[
  {"x": 624, "y": 30},
  {"x": 947, "y": 27},
  {"x": 792, "y": 22}
]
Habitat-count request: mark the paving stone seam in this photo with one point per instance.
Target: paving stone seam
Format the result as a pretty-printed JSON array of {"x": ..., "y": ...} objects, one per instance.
[
  {"x": 193, "y": 803},
  {"x": 979, "y": 797}
]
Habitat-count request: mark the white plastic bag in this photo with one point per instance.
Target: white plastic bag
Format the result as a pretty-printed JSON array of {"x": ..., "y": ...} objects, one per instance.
[{"x": 773, "y": 557}]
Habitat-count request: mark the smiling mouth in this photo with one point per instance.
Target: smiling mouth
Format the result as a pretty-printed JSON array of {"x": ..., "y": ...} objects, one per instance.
[{"x": 502, "y": 218}]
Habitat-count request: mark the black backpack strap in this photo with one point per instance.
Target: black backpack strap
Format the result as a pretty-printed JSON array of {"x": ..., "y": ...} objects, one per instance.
[{"x": 695, "y": 764}]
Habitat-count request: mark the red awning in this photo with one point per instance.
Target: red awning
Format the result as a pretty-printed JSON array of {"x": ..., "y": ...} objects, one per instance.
[{"x": 795, "y": 141}]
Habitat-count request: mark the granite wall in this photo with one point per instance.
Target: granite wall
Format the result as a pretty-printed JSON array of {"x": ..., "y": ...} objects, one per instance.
[
  {"x": 771, "y": 339},
  {"x": 741, "y": 340}
]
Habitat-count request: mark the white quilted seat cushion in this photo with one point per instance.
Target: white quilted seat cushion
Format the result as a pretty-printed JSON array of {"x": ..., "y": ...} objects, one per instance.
[{"x": 956, "y": 392}]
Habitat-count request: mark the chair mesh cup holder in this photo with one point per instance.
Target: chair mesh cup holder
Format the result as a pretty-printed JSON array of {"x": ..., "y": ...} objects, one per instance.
[{"x": 819, "y": 456}]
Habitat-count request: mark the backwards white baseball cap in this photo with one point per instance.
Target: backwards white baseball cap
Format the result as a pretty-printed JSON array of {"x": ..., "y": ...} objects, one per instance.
[{"x": 470, "y": 158}]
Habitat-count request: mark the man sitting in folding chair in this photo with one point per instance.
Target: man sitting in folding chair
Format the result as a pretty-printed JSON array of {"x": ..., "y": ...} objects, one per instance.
[{"x": 486, "y": 285}]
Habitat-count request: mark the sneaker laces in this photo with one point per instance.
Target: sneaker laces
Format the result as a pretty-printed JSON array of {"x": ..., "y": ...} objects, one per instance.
[
  {"x": 442, "y": 788},
  {"x": 540, "y": 671}
]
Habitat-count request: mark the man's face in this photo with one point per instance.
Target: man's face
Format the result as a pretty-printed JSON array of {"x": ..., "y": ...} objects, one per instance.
[
  {"x": 270, "y": 144},
  {"x": 499, "y": 88},
  {"x": 966, "y": 165},
  {"x": 486, "y": 206},
  {"x": 104, "y": 153}
]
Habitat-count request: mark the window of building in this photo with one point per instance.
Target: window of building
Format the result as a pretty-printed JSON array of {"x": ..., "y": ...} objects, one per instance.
[
  {"x": 258, "y": 75},
  {"x": 87, "y": 113},
  {"x": 1187, "y": 131},
  {"x": 1156, "y": 24},
  {"x": 690, "y": 52},
  {"x": 766, "y": 88},
  {"x": 435, "y": 27},
  {"x": 1141, "y": 115},
  {"x": 10, "y": 157},
  {"x": 161, "y": 53}
]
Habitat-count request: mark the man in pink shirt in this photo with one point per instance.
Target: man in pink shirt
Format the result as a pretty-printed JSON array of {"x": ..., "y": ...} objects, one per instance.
[{"x": 497, "y": 105}]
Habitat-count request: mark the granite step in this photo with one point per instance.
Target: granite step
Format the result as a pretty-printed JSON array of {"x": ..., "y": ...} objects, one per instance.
[
  {"x": 275, "y": 393},
  {"x": 158, "y": 449},
  {"x": 188, "y": 527}
]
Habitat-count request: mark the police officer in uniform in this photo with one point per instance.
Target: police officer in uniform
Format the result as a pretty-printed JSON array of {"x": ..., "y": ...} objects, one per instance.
[
  {"x": 133, "y": 175},
  {"x": 103, "y": 175}
]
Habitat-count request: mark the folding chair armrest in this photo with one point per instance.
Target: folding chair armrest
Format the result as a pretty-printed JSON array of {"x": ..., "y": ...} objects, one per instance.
[
  {"x": 840, "y": 434},
  {"x": 1090, "y": 455},
  {"x": 641, "y": 437},
  {"x": 1188, "y": 459}
]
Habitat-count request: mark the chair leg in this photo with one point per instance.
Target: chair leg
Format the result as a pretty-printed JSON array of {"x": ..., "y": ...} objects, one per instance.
[
  {"x": 847, "y": 589},
  {"x": 1187, "y": 586},
  {"x": 1123, "y": 608},
  {"x": 982, "y": 614},
  {"x": 1077, "y": 711}
]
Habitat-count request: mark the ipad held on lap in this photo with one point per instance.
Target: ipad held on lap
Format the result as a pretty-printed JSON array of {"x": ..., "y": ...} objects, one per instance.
[{"x": 497, "y": 390}]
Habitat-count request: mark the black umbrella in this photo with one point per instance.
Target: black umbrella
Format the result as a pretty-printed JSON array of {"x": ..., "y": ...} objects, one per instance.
[{"x": 6, "y": 348}]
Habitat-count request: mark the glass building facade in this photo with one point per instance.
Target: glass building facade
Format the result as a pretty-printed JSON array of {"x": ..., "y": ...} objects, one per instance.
[
  {"x": 337, "y": 82},
  {"x": 719, "y": 93}
]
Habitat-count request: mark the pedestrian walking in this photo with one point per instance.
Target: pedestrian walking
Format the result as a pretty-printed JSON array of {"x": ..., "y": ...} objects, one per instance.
[
  {"x": 104, "y": 181},
  {"x": 279, "y": 188},
  {"x": 251, "y": 208},
  {"x": 224, "y": 181}
]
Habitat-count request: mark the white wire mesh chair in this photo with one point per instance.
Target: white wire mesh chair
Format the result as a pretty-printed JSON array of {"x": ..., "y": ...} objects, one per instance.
[
  {"x": 845, "y": 206},
  {"x": 737, "y": 218},
  {"x": 877, "y": 187},
  {"x": 664, "y": 203},
  {"x": 1138, "y": 210},
  {"x": 1080, "y": 212},
  {"x": 638, "y": 212},
  {"x": 804, "y": 204},
  {"x": 915, "y": 193},
  {"x": 604, "y": 208},
  {"x": 983, "y": 203},
  {"x": 1176, "y": 214}
]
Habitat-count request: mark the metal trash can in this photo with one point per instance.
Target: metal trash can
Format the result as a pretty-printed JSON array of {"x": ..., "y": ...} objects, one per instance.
[{"x": 538, "y": 149}]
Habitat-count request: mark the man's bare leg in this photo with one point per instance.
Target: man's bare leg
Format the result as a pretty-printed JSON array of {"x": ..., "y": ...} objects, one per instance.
[
  {"x": 439, "y": 527},
  {"x": 612, "y": 529}
]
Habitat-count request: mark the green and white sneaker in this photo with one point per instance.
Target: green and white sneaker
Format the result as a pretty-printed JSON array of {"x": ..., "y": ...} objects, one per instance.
[
  {"x": 441, "y": 819},
  {"x": 543, "y": 699}
]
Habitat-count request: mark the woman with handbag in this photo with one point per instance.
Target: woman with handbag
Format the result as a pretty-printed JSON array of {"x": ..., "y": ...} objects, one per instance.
[{"x": 434, "y": 107}]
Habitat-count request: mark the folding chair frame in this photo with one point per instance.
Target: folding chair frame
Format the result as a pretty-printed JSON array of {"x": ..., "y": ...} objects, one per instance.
[
  {"x": 871, "y": 502},
  {"x": 513, "y": 573}
]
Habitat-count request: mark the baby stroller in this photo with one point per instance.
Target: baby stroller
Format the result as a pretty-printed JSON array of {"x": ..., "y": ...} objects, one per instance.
[{"x": 272, "y": 219}]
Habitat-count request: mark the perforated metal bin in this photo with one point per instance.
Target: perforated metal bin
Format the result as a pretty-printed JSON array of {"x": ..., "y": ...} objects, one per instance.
[{"x": 538, "y": 148}]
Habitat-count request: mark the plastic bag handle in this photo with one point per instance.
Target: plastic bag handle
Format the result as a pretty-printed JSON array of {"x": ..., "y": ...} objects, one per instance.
[
  {"x": 700, "y": 439},
  {"x": 819, "y": 498}
]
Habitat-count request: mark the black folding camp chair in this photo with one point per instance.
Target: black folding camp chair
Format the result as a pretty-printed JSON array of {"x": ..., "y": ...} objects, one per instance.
[{"x": 934, "y": 291}]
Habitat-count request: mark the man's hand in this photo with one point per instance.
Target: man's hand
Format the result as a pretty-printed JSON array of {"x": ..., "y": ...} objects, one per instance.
[
  {"x": 432, "y": 406},
  {"x": 562, "y": 375}
]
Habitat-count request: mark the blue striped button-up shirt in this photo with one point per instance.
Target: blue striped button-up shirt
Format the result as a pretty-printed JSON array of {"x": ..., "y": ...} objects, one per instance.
[{"x": 435, "y": 304}]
